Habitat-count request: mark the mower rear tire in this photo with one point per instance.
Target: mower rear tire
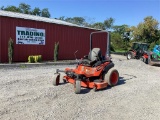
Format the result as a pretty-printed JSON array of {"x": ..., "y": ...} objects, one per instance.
[
  {"x": 77, "y": 86},
  {"x": 112, "y": 77},
  {"x": 56, "y": 79},
  {"x": 129, "y": 55}
]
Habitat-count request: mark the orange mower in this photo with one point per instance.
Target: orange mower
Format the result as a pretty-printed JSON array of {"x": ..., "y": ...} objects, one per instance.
[{"x": 93, "y": 71}]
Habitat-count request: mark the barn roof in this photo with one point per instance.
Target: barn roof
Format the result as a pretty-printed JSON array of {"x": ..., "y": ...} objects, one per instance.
[{"x": 36, "y": 18}]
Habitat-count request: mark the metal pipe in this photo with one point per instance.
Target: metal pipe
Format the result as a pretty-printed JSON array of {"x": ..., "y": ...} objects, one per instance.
[{"x": 108, "y": 42}]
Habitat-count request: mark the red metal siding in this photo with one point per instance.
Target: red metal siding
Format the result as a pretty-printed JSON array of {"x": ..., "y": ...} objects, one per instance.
[
  {"x": 0, "y": 40},
  {"x": 70, "y": 39}
]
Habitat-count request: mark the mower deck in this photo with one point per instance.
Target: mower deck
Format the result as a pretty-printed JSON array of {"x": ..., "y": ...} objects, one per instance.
[{"x": 88, "y": 84}]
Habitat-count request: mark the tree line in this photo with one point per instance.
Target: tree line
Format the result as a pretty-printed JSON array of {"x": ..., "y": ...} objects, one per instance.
[
  {"x": 26, "y": 9},
  {"x": 121, "y": 35}
]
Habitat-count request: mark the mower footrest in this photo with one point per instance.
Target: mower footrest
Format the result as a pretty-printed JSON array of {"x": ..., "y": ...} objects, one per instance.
[
  {"x": 98, "y": 85},
  {"x": 101, "y": 85},
  {"x": 98, "y": 81}
]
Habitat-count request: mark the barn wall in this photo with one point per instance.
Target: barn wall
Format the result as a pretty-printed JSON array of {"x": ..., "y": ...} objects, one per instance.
[
  {"x": 0, "y": 40},
  {"x": 70, "y": 39}
]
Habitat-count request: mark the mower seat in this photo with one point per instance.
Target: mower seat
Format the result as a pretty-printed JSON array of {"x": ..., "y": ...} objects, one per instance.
[{"x": 94, "y": 56}]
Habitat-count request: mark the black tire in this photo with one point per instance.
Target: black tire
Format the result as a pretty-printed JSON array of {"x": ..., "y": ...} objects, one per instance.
[
  {"x": 112, "y": 77},
  {"x": 77, "y": 86},
  {"x": 150, "y": 62},
  {"x": 64, "y": 80},
  {"x": 143, "y": 59},
  {"x": 56, "y": 79},
  {"x": 129, "y": 55}
]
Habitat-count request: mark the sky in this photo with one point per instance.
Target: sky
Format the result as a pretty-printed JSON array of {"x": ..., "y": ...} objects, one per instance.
[{"x": 130, "y": 12}]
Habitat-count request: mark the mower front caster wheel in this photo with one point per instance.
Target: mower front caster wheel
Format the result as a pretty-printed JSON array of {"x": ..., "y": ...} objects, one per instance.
[
  {"x": 56, "y": 79},
  {"x": 77, "y": 86},
  {"x": 94, "y": 89}
]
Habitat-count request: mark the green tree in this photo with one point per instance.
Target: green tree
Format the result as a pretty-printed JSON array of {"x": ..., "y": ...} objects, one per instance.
[
  {"x": 98, "y": 25},
  {"x": 11, "y": 8},
  {"x": 78, "y": 20},
  {"x": 25, "y": 8},
  {"x": 146, "y": 31},
  {"x": 124, "y": 35},
  {"x": 109, "y": 23},
  {"x": 45, "y": 13},
  {"x": 116, "y": 41},
  {"x": 121, "y": 29},
  {"x": 36, "y": 11},
  {"x": 62, "y": 18}
]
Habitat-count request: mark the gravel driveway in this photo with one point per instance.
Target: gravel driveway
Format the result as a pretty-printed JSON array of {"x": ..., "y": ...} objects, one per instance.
[{"x": 28, "y": 94}]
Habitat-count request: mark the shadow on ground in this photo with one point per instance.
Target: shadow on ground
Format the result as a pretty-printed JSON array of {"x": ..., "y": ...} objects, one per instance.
[{"x": 122, "y": 81}]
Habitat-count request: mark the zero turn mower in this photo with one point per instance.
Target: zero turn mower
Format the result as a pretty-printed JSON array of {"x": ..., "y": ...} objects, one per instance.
[{"x": 93, "y": 71}]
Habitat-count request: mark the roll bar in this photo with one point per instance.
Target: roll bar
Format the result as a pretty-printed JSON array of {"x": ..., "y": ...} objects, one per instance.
[{"x": 108, "y": 42}]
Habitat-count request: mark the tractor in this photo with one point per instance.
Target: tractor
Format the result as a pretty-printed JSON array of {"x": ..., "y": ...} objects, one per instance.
[
  {"x": 138, "y": 51},
  {"x": 93, "y": 71}
]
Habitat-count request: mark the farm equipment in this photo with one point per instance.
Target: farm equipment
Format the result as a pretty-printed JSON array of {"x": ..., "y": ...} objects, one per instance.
[
  {"x": 137, "y": 51},
  {"x": 93, "y": 71},
  {"x": 156, "y": 52},
  {"x": 154, "y": 56},
  {"x": 140, "y": 51}
]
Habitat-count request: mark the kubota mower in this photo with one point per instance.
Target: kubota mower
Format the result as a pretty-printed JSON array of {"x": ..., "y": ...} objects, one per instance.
[{"x": 93, "y": 71}]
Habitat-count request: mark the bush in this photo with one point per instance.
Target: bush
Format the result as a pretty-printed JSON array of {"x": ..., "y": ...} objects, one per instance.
[
  {"x": 10, "y": 50},
  {"x": 56, "y": 50},
  {"x": 35, "y": 58},
  {"x": 39, "y": 58},
  {"x": 30, "y": 59}
]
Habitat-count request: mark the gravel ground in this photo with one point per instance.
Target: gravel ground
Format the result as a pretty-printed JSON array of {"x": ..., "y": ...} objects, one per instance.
[{"x": 28, "y": 94}]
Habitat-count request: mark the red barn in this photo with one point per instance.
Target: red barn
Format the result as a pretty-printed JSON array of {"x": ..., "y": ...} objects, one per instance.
[{"x": 34, "y": 35}]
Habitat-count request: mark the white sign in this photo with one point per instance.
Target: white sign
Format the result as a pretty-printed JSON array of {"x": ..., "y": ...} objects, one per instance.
[{"x": 30, "y": 36}]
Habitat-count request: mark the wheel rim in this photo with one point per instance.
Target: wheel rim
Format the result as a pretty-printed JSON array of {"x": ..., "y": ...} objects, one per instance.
[
  {"x": 129, "y": 56},
  {"x": 114, "y": 78}
]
